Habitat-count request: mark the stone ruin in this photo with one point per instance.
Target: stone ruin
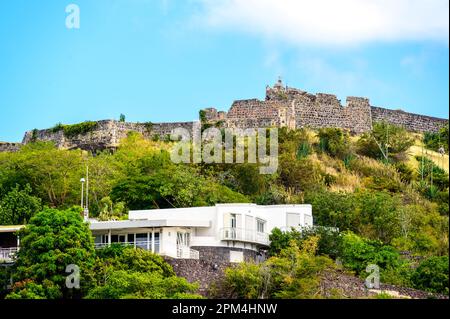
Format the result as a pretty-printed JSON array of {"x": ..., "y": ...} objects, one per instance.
[
  {"x": 294, "y": 108},
  {"x": 283, "y": 107}
]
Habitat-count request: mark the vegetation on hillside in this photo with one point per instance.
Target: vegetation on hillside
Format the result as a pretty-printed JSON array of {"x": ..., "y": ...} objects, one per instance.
[
  {"x": 55, "y": 239},
  {"x": 381, "y": 203}
]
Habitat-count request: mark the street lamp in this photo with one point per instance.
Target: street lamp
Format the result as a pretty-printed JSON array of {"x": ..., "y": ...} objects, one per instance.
[{"x": 82, "y": 191}]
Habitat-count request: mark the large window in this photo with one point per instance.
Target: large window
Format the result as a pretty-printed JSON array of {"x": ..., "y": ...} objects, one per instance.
[
  {"x": 141, "y": 240},
  {"x": 156, "y": 240}
]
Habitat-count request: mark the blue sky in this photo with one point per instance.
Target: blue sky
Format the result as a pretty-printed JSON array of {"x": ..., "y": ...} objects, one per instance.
[{"x": 163, "y": 60}]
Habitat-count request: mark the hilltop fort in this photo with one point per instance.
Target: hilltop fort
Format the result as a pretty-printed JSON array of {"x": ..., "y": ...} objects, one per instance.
[{"x": 283, "y": 107}]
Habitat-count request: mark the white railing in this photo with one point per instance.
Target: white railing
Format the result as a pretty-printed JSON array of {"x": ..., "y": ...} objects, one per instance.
[
  {"x": 301, "y": 228},
  {"x": 138, "y": 244},
  {"x": 7, "y": 254},
  {"x": 247, "y": 235},
  {"x": 187, "y": 253}
]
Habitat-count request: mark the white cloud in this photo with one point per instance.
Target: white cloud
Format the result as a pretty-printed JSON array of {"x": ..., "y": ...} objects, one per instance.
[{"x": 331, "y": 22}]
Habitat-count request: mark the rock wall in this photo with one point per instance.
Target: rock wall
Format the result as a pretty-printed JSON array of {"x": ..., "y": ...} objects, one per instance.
[
  {"x": 294, "y": 108},
  {"x": 209, "y": 269},
  {"x": 411, "y": 121},
  {"x": 106, "y": 135},
  {"x": 9, "y": 147},
  {"x": 222, "y": 254},
  {"x": 204, "y": 272},
  {"x": 325, "y": 110},
  {"x": 282, "y": 107}
]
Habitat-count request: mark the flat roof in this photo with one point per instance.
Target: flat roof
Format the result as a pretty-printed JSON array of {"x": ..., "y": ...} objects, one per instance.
[
  {"x": 126, "y": 224},
  {"x": 10, "y": 228}
]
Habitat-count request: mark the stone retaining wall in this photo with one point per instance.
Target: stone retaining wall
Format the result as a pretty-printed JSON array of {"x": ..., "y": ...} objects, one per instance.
[{"x": 9, "y": 147}]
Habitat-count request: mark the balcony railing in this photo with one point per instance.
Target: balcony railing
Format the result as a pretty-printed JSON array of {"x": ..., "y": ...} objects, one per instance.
[
  {"x": 242, "y": 234},
  {"x": 138, "y": 244},
  {"x": 187, "y": 253},
  {"x": 7, "y": 254}
]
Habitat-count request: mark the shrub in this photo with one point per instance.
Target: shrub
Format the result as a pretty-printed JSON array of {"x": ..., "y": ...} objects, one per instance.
[
  {"x": 358, "y": 253},
  {"x": 385, "y": 141},
  {"x": 303, "y": 150},
  {"x": 294, "y": 273},
  {"x": 329, "y": 240},
  {"x": 79, "y": 129},
  {"x": 436, "y": 140},
  {"x": 432, "y": 275},
  {"x": 335, "y": 142},
  {"x": 124, "y": 284}
]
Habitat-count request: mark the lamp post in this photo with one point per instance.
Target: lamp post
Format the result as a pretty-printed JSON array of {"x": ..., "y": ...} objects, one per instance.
[{"x": 82, "y": 191}]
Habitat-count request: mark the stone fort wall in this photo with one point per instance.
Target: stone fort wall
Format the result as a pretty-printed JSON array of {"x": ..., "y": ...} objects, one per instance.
[
  {"x": 106, "y": 135},
  {"x": 294, "y": 108},
  {"x": 282, "y": 107},
  {"x": 9, "y": 147}
]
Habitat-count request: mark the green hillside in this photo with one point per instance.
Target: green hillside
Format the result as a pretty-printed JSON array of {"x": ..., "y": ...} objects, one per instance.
[{"x": 385, "y": 199}]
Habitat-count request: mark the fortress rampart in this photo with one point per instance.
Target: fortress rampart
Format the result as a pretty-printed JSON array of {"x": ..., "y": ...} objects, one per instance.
[{"x": 282, "y": 107}]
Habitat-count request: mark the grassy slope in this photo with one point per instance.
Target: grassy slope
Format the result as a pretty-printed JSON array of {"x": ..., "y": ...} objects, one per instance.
[{"x": 438, "y": 159}]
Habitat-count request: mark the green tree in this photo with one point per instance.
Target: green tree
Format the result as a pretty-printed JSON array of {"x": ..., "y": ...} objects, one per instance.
[
  {"x": 53, "y": 240},
  {"x": 53, "y": 174},
  {"x": 294, "y": 273},
  {"x": 110, "y": 210},
  {"x": 18, "y": 206},
  {"x": 123, "y": 284},
  {"x": 122, "y": 118},
  {"x": 432, "y": 275},
  {"x": 385, "y": 141},
  {"x": 129, "y": 273}
]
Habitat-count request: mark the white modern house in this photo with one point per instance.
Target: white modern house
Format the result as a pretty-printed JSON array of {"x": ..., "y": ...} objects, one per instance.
[
  {"x": 224, "y": 232},
  {"x": 233, "y": 232}
]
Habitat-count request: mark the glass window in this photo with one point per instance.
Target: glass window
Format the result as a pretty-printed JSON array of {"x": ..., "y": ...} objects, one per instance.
[
  {"x": 233, "y": 220},
  {"x": 260, "y": 226},
  {"x": 141, "y": 240},
  {"x": 156, "y": 238}
]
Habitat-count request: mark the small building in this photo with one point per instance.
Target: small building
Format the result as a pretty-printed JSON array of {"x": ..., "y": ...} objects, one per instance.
[
  {"x": 9, "y": 242},
  {"x": 224, "y": 232}
]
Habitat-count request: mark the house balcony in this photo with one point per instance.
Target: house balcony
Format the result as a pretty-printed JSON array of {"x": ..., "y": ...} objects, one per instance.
[
  {"x": 181, "y": 252},
  {"x": 244, "y": 235},
  {"x": 187, "y": 253},
  {"x": 7, "y": 254}
]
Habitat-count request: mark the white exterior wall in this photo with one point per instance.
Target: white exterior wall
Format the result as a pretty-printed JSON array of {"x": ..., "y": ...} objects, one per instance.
[{"x": 274, "y": 216}]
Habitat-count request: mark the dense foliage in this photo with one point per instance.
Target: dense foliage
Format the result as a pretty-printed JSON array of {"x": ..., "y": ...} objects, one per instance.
[
  {"x": 434, "y": 141},
  {"x": 72, "y": 130},
  {"x": 294, "y": 273},
  {"x": 53, "y": 240},
  {"x": 18, "y": 206},
  {"x": 128, "y": 273},
  {"x": 375, "y": 198}
]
